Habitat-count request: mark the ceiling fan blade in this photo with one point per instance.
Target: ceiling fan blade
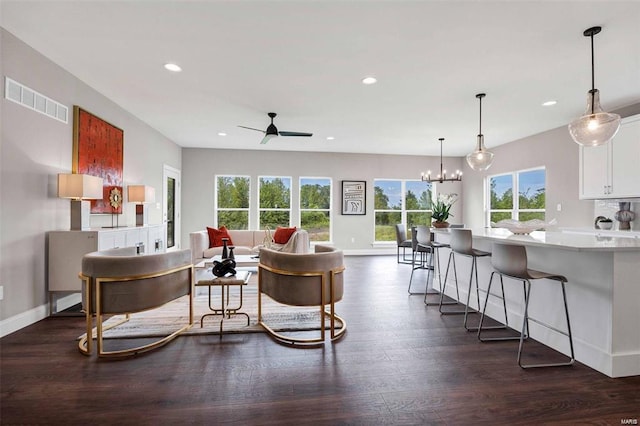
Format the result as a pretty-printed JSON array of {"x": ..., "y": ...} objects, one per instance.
[
  {"x": 285, "y": 133},
  {"x": 251, "y": 128},
  {"x": 266, "y": 138}
]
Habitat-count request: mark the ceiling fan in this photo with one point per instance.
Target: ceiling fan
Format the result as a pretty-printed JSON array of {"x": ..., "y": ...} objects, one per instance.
[{"x": 272, "y": 130}]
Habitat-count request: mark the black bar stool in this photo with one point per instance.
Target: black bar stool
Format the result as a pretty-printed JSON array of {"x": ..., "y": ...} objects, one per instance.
[
  {"x": 510, "y": 260},
  {"x": 420, "y": 244},
  {"x": 462, "y": 244}
]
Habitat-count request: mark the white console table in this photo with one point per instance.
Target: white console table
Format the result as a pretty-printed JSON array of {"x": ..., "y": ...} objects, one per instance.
[{"x": 66, "y": 248}]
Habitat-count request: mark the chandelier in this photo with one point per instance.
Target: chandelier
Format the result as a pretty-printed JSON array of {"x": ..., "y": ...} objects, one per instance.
[{"x": 442, "y": 176}]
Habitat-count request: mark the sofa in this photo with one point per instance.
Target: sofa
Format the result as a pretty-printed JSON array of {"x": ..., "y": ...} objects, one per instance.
[
  {"x": 245, "y": 242},
  {"x": 122, "y": 282}
]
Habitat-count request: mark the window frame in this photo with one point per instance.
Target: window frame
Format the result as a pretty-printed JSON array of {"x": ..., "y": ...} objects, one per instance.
[
  {"x": 217, "y": 209},
  {"x": 403, "y": 206},
  {"x": 329, "y": 210},
  {"x": 515, "y": 209},
  {"x": 260, "y": 209}
]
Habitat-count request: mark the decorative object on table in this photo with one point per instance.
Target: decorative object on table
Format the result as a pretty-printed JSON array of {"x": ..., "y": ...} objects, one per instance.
[
  {"x": 231, "y": 255},
  {"x": 115, "y": 201},
  {"x": 625, "y": 216},
  {"x": 595, "y": 127},
  {"x": 354, "y": 201},
  {"x": 480, "y": 159},
  {"x": 225, "y": 267},
  {"x": 603, "y": 223},
  {"x": 523, "y": 228},
  {"x": 79, "y": 188},
  {"x": 440, "y": 210},
  {"x": 141, "y": 194},
  {"x": 98, "y": 150},
  {"x": 225, "y": 252},
  {"x": 442, "y": 176}
]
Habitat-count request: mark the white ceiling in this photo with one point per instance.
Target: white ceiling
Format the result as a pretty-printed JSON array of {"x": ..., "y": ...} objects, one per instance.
[{"x": 305, "y": 59}]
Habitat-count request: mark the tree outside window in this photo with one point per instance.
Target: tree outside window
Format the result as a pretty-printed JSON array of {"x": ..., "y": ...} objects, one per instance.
[
  {"x": 406, "y": 202},
  {"x": 232, "y": 201},
  {"x": 315, "y": 207},
  {"x": 527, "y": 204},
  {"x": 275, "y": 202}
]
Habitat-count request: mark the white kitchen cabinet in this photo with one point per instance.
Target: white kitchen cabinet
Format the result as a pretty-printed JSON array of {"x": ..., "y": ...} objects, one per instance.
[
  {"x": 66, "y": 248},
  {"x": 613, "y": 170}
]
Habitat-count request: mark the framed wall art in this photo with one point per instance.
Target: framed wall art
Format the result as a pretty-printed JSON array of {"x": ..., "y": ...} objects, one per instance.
[
  {"x": 354, "y": 197},
  {"x": 98, "y": 150}
]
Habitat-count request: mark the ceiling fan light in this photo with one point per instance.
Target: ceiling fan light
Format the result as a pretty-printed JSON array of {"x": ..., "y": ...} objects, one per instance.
[
  {"x": 595, "y": 127},
  {"x": 480, "y": 159}
]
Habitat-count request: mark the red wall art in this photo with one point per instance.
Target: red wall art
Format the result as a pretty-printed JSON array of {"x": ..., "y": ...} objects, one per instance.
[{"x": 98, "y": 150}]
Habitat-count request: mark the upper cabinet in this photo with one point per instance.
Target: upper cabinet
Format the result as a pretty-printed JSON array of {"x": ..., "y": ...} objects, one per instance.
[{"x": 613, "y": 170}]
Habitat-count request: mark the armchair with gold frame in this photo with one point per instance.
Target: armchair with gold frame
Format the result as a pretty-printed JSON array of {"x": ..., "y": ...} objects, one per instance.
[
  {"x": 310, "y": 279},
  {"x": 121, "y": 282}
]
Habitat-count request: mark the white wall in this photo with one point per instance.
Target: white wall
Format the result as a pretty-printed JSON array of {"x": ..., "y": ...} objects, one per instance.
[{"x": 34, "y": 149}]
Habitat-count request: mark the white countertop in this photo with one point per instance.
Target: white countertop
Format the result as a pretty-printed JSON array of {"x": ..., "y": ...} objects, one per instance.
[{"x": 565, "y": 240}]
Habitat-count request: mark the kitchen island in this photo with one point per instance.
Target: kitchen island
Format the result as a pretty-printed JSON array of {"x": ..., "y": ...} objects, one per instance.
[{"x": 603, "y": 293}]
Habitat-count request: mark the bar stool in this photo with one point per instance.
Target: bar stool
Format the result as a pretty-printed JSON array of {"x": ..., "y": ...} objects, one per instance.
[
  {"x": 510, "y": 260},
  {"x": 435, "y": 246},
  {"x": 420, "y": 239},
  {"x": 462, "y": 244}
]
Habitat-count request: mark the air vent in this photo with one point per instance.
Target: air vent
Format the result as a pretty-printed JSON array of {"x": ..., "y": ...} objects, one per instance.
[{"x": 21, "y": 94}]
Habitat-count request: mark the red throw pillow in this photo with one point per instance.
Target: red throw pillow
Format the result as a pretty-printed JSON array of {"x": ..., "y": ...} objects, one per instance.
[
  {"x": 282, "y": 235},
  {"x": 216, "y": 236}
]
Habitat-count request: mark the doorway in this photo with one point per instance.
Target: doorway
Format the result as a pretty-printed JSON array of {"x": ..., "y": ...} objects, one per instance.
[{"x": 171, "y": 209}]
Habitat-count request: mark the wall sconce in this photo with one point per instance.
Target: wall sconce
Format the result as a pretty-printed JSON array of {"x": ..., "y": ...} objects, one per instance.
[
  {"x": 80, "y": 188},
  {"x": 141, "y": 194}
]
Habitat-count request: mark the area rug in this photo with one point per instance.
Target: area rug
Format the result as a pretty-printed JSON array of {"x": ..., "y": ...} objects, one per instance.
[{"x": 170, "y": 317}]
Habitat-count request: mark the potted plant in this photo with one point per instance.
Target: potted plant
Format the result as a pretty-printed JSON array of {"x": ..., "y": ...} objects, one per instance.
[{"x": 440, "y": 209}]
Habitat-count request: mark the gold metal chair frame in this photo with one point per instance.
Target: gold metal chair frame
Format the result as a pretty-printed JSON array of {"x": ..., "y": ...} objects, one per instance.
[
  {"x": 85, "y": 343},
  {"x": 335, "y": 334}
]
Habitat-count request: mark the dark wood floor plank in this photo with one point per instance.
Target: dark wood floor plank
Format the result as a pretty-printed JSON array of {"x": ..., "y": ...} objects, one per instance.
[{"x": 401, "y": 363}]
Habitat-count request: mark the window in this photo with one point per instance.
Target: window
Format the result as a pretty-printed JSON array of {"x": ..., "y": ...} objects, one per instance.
[
  {"x": 275, "y": 202},
  {"x": 400, "y": 201},
  {"x": 529, "y": 203},
  {"x": 315, "y": 207},
  {"x": 232, "y": 201}
]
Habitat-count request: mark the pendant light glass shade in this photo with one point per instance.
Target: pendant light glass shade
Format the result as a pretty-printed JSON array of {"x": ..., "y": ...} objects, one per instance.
[
  {"x": 480, "y": 159},
  {"x": 595, "y": 127}
]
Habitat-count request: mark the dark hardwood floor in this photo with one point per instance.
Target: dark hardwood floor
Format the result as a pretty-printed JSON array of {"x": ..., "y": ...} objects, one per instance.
[{"x": 400, "y": 363}]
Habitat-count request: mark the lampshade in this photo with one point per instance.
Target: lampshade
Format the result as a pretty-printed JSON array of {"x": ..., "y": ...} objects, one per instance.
[
  {"x": 141, "y": 194},
  {"x": 79, "y": 187},
  {"x": 595, "y": 127},
  {"x": 480, "y": 159}
]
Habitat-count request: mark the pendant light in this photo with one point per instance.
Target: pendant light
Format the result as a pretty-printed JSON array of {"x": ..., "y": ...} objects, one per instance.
[
  {"x": 442, "y": 177},
  {"x": 595, "y": 127},
  {"x": 480, "y": 159}
]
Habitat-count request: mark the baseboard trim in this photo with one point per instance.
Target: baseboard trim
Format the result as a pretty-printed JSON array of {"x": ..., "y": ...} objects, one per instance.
[{"x": 23, "y": 319}]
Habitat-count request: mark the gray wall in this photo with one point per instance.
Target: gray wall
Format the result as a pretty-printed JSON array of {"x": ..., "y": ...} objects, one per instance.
[
  {"x": 553, "y": 149},
  {"x": 34, "y": 149},
  {"x": 200, "y": 166}
]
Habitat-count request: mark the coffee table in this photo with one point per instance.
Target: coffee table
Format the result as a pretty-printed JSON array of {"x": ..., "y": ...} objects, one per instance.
[
  {"x": 242, "y": 260},
  {"x": 204, "y": 277}
]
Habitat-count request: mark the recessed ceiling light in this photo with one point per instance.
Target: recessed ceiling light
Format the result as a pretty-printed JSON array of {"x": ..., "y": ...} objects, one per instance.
[
  {"x": 369, "y": 80},
  {"x": 330, "y": 138},
  {"x": 222, "y": 134},
  {"x": 173, "y": 67},
  {"x": 549, "y": 103}
]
